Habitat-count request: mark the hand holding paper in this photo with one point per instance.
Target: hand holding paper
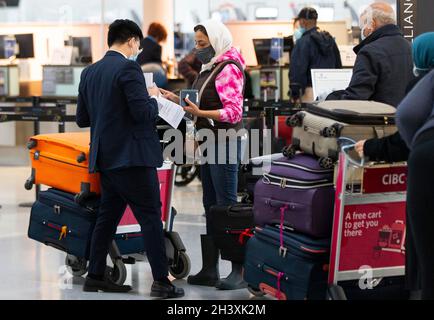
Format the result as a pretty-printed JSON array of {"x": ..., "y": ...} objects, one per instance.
[{"x": 170, "y": 112}]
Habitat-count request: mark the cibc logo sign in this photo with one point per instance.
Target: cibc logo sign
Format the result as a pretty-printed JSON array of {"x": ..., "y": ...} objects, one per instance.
[
  {"x": 394, "y": 179},
  {"x": 385, "y": 179}
]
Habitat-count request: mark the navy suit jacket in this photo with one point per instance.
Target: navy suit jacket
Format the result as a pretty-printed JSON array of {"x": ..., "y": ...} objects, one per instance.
[{"x": 114, "y": 102}]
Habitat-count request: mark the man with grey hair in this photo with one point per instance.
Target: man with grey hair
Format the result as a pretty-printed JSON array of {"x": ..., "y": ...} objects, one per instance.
[{"x": 384, "y": 64}]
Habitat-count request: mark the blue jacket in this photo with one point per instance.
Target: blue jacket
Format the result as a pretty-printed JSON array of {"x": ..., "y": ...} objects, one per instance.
[
  {"x": 383, "y": 68},
  {"x": 114, "y": 102},
  {"x": 315, "y": 50}
]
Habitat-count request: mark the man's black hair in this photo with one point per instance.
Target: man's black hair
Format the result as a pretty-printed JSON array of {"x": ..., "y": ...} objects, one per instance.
[{"x": 121, "y": 30}]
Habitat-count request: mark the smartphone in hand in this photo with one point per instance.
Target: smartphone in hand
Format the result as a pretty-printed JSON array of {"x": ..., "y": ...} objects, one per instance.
[{"x": 193, "y": 96}]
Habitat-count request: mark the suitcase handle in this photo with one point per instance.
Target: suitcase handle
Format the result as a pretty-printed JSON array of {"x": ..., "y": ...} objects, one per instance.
[{"x": 279, "y": 204}]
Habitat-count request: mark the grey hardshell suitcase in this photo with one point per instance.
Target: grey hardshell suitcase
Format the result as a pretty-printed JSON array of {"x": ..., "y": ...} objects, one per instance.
[{"x": 318, "y": 129}]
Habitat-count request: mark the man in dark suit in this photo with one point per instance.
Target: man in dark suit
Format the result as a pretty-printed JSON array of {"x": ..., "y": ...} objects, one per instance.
[{"x": 125, "y": 149}]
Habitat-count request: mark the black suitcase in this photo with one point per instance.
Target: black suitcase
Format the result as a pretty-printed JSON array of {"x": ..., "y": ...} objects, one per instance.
[
  {"x": 231, "y": 227},
  {"x": 57, "y": 220}
]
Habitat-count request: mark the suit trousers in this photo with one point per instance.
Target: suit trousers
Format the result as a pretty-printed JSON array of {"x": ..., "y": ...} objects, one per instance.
[{"x": 140, "y": 189}]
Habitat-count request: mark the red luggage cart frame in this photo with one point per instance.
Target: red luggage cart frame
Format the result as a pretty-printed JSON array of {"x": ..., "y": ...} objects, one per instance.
[
  {"x": 369, "y": 222},
  {"x": 166, "y": 177}
]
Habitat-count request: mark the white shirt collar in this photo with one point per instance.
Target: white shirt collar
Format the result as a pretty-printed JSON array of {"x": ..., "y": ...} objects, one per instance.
[{"x": 119, "y": 52}]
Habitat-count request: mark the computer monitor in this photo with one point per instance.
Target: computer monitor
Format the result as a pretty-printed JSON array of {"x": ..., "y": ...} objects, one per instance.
[
  {"x": 84, "y": 46},
  {"x": 9, "y": 3},
  {"x": 26, "y": 46},
  {"x": 263, "y": 50}
]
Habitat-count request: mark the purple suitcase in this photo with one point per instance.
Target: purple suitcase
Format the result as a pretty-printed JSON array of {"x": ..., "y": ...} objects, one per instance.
[{"x": 297, "y": 193}]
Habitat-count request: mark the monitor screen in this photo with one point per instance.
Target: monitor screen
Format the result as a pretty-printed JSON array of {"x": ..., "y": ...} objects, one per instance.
[
  {"x": 84, "y": 46},
  {"x": 263, "y": 50},
  {"x": 26, "y": 46}
]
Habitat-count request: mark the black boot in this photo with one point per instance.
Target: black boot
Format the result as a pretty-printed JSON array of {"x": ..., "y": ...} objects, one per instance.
[
  {"x": 209, "y": 275},
  {"x": 235, "y": 279}
]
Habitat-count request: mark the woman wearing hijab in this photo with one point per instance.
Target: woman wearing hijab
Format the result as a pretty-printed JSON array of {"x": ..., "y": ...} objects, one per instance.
[{"x": 221, "y": 80}]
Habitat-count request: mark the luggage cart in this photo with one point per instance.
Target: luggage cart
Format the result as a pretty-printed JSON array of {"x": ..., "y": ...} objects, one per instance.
[
  {"x": 369, "y": 224},
  {"x": 128, "y": 247}
]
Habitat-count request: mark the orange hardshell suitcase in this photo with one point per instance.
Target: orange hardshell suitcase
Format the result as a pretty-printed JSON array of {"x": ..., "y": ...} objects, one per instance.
[{"x": 60, "y": 161}]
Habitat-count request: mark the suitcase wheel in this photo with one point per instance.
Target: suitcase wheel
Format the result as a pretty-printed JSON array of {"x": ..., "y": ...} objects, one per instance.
[
  {"x": 182, "y": 268},
  {"x": 117, "y": 273},
  {"x": 329, "y": 132},
  {"x": 28, "y": 185},
  {"x": 76, "y": 266},
  {"x": 81, "y": 158},
  {"x": 32, "y": 144},
  {"x": 255, "y": 292},
  {"x": 289, "y": 151},
  {"x": 294, "y": 121},
  {"x": 326, "y": 163}
]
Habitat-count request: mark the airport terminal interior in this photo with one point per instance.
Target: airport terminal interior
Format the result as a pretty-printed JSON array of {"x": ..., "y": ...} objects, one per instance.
[{"x": 46, "y": 45}]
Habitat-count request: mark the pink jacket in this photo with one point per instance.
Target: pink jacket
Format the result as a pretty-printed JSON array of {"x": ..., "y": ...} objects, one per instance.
[{"x": 229, "y": 85}]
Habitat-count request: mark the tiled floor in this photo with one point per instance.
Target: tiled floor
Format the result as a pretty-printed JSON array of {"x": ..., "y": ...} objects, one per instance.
[{"x": 30, "y": 270}]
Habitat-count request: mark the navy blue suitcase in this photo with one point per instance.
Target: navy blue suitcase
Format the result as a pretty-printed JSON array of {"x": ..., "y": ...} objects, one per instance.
[
  {"x": 130, "y": 243},
  {"x": 57, "y": 220},
  {"x": 296, "y": 270}
]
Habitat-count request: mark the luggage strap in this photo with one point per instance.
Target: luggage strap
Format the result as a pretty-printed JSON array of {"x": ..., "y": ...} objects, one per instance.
[
  {"x": 246, "y": 233},
  {"x": 279, "y": 279},
  {"x": 282, "y": 249}
]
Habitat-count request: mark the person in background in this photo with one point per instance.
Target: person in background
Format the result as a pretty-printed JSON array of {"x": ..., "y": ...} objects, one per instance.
[
  {"x": 150, "y": 58},
  {"x": 314, "y": 49},
  {"x": 189, "y": 67},
  {"x": 220, "y": 108},
  {"x": 393, "y": 148},
  {"x": 384, "y": 64},
  {"x": 125, "y": 149},
  {"x": 416, "y": 125}
]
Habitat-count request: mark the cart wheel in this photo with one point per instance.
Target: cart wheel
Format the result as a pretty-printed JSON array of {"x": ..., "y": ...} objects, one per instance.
[
  {"x": 118, "y": 274},
  {"x": 76, "y": 266},
  {"x": 29, "y": 183},
  {"x": 326, "y": 163},
  {"x": 255, "y": 292},
  {"x": 182, "y": 268},
  {"x": 294, "y": 121}
]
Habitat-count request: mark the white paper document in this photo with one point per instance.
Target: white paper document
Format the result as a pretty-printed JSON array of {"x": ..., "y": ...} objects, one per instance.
[
  {"x": 326, "y": 81},
  {"x": 170, "y": 112},
  {"x": 149, "y": 79}
]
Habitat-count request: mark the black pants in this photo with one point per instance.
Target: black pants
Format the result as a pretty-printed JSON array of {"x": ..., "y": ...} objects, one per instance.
[
  {"x": 420, "y": 211},
  {"x": 140, "y": 189}
]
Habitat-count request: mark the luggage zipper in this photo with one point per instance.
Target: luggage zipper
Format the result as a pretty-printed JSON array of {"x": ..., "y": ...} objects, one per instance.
[
  {"x": 64, "y": 230},
  {"x": 57, "y": 160},
  {"x": 296, "y": 166},
  {"x": 282, "y": 182},
  {"x": 58, "y": 208}
]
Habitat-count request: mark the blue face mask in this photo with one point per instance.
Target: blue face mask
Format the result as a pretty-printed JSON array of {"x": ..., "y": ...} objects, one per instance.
[
  {"x": 134, "y": 57},
  {"x": 298, "y": 33}
]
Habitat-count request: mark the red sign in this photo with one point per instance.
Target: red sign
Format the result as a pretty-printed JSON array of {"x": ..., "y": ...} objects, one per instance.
[
  {"x": 165, "y": 179},
  {"x": 373, "y": 235},
  {"x": 385, "y": 179}
]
